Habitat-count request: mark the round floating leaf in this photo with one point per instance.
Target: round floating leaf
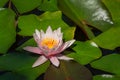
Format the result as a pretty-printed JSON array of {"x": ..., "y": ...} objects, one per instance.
[
  {"x": 22, "y": 64},
  {"x": 48, "y": 5},
  {"x": 92, "y": 12},
  {"x": 106, "y": 77},
  {"x": 26, "y": 5},
  {"x": 68, "y": 71},
  {"x": 7, "y": 29},
  {"x": 29, "y": 23},
  {"x": 109, "y": 39},
  {"x": 85, "y": 52},
  {"x": 3, "y": 2},
  {"x": 109, "y": 63}
]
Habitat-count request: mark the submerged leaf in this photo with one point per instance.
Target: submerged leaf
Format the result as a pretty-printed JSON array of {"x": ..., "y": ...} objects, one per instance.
[
  {"x": 68, "y": 71},
  {"x": 11, "y": 76}
]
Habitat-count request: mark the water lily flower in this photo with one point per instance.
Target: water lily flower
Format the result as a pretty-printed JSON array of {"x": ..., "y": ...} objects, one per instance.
[{"x": 50, "y": 46}]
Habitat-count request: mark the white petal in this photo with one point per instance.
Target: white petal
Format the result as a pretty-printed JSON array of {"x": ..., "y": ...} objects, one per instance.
[
  {"x": 42, "y": 34},
  {"x": 33, "y": 49},
  {"x": 49, "y": 30},
  {"x": 37, "y": 33},
  {"x": 62, "y": 57},
  {"x": 49, "y": 33},
  {"x": 55, "y": 61},
  {"x": 67, "y": 44},
  {"x": 58, "y": 31},
  {"x": 40, "y": 61},
  {"x": 36, "y": 38}
]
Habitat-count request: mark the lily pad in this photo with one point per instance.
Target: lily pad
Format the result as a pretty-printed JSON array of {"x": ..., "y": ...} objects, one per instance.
[
  {"x": 111, "y": 38},
  {"x": 68, "y": 71},
  {"x": 7, "y": 29},
  {"x": 109, "y": 63},
  {"x": 92, "y": 12},
  {"x": 85, "y": 52},
  {"x": 26, "y": 5},
  {"x": 22, "y": 64},
  {"x": 48, "y": 5},
  {"x": 29, "y": 23}
]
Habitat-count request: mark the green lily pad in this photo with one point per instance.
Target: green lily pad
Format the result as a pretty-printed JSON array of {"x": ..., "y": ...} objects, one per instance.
[
  {"x": 92, "y": 12},
  {"x": 22, "y": 64},
  {"x": 29, "y": 23},
  {"x": 3, "y": 2},
  {"x": 7, "y": 29},
  {"x": 85, "y": 52},
  {"x": 26, "y": 5},
  {"x": 68, "y": 70},
  {"x": 48, "y": 5},
  {"x": 111, "y": 38},
  {"x": 109, "y": 63},
  {"x": 106, "y": 77}
]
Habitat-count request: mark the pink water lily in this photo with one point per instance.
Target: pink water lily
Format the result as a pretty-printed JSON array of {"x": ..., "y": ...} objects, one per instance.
[{"x": 50, "y": 45}]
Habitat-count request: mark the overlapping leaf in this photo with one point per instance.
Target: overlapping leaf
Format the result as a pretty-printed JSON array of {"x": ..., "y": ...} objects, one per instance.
[
  {"x": 111, "y": 38},
  {"x": 48, "y": 5},
  {"x": 29, "y": 23},
  {"x": 85, "y": 52},
  {"x": 7, "y": 29},
  {"x": 109, "y": 63},
  {"x": 92, "y": 12},
  {"x": 22, "y": 64},
  {"x": 26, "y": 5}
]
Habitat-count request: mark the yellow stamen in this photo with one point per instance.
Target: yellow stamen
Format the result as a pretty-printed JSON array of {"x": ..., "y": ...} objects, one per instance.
[{"x": 49, "y": 42}]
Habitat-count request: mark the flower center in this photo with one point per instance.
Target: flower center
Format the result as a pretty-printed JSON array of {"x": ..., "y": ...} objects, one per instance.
[{"x": 49, "y": 42}]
